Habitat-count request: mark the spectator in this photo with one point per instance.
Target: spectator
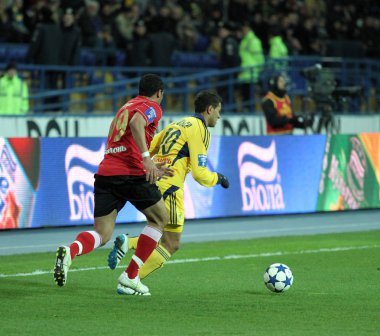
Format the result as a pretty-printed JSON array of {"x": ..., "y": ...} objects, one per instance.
[
  {"x": 277, "y": 49},
  {"x": 71, "y": 39},
  {"x": 4, "y": 22},
  {"x": 229, "y": 54},
  {"x": 45, "y": 48},
  {"x": 71, "y": 44},
  {"x": 290, "y": 23},
  {"x": 90, "y": 24},
  {"x": 277, "y": 46},
  {"x": 107, "y": 46},
  {"x": 125, "y": 25},
  {"x": 14, "y": 95},
  {"x": 229, "y": 58},
  {"x": 278, "y": 110},
  {"x": 109, "y": 11},
  {"x": 252, "y": 58},
  {"x": 162, "y": 45},
  {"x": 138, "y": 54},
  {"x": 18, "y": 32},
  {"x": 187, "y": 33}
]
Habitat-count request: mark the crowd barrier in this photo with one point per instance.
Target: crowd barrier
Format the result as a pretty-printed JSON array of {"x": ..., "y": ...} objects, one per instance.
[
  {"x": 47, "y": 182},
  {"x": 352, "y": 86},
  {"x": 97, "y": 126}
]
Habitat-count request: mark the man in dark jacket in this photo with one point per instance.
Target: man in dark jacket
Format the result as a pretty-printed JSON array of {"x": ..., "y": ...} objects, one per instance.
[
  {"x": 229, "y": 58},
  {"x": 45, "y": 48},
  {"x": 71, "y": 39}
]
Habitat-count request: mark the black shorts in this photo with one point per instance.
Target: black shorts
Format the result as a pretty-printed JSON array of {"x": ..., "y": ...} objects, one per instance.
[{"x": 113, "y": 192}]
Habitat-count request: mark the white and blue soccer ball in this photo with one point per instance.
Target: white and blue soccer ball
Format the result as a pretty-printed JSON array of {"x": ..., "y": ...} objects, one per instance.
[{"x": 278, "y": 278}]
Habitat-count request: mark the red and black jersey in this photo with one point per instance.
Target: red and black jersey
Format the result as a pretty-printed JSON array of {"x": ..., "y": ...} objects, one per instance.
[
  {"x": 277, "y": 112},
  {"x": 122, "y": 156}
]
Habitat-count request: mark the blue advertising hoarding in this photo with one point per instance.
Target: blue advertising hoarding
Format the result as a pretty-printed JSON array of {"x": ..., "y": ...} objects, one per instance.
[
  {"x": 67, "y": 176},
  {"x": 268, "y": 175}
]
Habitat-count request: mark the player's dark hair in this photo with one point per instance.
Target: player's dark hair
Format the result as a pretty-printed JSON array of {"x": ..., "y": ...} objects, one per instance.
[
  {"x": 204, "y": 99},
  {"x": 150, "y": 84}
]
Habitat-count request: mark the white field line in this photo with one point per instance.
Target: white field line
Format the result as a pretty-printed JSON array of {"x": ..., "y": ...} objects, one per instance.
[
  {"x": 274, "y": 230},
  {"x": 257, "y": 233},
  {"x": 216, "y": 258}
]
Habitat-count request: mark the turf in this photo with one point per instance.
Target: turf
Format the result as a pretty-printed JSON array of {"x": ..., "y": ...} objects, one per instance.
[{"x": 213, "y": 288}]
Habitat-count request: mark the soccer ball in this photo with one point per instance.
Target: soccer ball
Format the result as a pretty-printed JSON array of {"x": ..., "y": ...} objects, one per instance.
[{"x": 278, "y": 278}]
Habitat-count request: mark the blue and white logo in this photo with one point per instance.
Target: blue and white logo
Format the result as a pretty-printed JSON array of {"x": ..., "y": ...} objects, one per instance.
[
  {"x": 150, "y": 114},
  {"x": 202, "y": 160}
]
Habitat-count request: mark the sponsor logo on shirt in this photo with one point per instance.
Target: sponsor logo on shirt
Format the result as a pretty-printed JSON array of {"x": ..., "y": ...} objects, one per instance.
[
  {"x": 150, "y": 114},
  {"x": 115, "y": 150},
  {"x": 202, "y": 160}
]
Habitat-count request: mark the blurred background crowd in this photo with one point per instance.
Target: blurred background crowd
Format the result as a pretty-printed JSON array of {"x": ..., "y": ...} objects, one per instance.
[{"x": 155, "y": 28}]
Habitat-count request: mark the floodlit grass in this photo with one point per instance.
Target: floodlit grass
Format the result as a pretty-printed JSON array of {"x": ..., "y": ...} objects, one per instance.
[{"x": 335, "y": 291}]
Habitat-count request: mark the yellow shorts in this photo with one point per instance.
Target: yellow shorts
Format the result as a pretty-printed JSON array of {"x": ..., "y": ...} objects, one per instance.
[{"x": 173, "y": 197}]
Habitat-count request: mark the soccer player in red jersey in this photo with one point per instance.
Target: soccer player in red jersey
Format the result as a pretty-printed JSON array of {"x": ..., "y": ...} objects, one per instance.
[
  {"x": 126, "y": 174},
  {"x": 184, "y": 146}
]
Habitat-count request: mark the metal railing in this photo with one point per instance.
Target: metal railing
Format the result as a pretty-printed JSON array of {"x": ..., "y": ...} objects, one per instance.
[{"x": 103, "y": 89}]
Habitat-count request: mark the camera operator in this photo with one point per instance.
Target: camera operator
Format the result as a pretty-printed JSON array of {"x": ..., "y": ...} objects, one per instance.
[{"x": 278, "y": 110}]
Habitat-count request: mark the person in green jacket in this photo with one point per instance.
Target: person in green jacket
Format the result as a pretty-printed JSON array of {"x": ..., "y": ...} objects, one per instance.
[
  {"x": 252, "y": 57},
  {"x": 278, "y": 51},
  {"x": 14, "y": 95}
]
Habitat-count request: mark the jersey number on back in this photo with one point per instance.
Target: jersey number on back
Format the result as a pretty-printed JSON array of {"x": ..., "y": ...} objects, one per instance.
[
  {"x": 119, "y": 126},
  {"x": 170, "y": 138}
]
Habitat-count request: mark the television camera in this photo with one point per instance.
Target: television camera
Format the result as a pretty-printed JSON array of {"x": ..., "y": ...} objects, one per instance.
[{"x": 322, "y": 88}]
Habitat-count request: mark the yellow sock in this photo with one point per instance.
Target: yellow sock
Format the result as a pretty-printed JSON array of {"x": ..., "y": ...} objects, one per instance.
[
  {"x": 132, "y": 242},
  {"x": 155, "y": 261}
]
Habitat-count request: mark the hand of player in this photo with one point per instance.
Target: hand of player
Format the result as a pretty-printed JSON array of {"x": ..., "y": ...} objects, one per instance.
[
  {"x": 151, "y": 171},
  {"x": 164, "y": 170},
  {"x": 223, "y": 181}
]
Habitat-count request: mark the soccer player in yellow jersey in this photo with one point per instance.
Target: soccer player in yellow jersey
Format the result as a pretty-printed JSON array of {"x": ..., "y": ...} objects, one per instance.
[{"x": 182, "y": 146}]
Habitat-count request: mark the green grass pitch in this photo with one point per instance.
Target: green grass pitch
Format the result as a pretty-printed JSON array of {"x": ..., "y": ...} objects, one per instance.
[{"x": 213, "y": 288}]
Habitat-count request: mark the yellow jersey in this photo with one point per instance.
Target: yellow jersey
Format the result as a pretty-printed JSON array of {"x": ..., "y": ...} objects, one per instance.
[{"x": 183, "y": 145}]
